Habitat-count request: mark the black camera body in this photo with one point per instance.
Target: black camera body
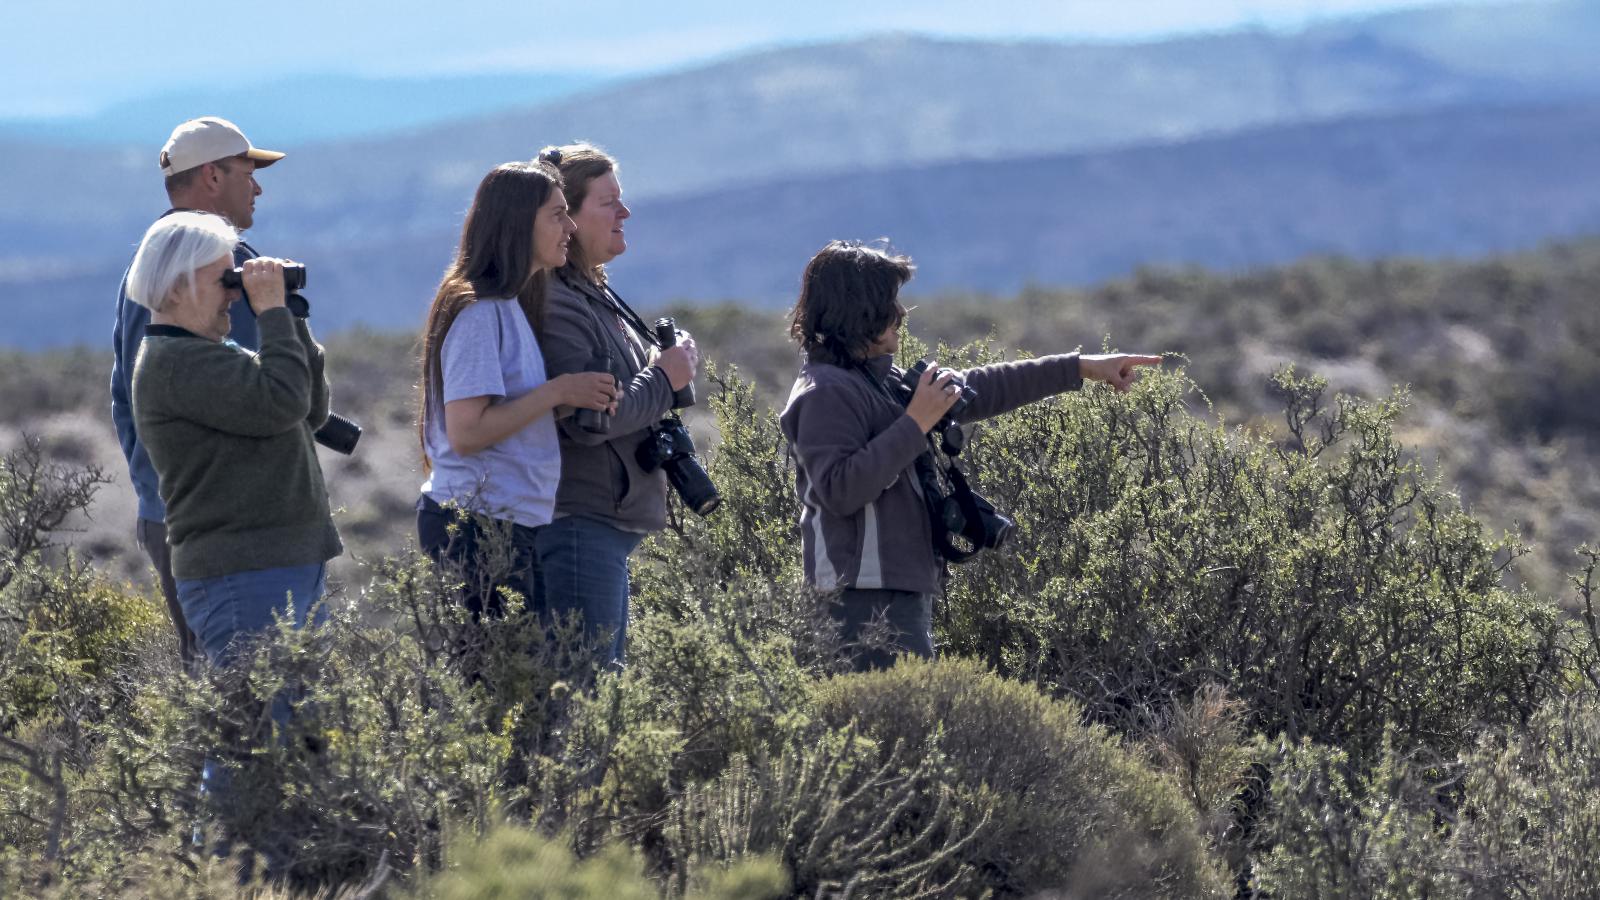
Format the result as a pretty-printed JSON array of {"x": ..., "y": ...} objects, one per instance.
[
  {"x": 669, "y": 447},
  {"x": 960, "y": 511}
]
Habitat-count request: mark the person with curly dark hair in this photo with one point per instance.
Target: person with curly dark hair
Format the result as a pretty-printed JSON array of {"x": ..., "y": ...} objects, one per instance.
[{"x": 865, "y": 528}]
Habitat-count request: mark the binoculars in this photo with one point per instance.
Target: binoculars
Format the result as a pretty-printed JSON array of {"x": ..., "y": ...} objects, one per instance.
[{"x": 294, "y": 277}]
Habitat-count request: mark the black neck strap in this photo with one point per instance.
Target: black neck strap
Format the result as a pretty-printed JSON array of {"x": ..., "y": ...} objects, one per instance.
[{"x": 614, "y": 302}]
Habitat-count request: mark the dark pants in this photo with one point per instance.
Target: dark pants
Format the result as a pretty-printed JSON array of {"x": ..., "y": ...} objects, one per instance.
[
  {"x": 585, "y": 566},
  {"x": 490, "y": 554},
  {"x": 877, "y": 625},
  {"x": 152, "y": 538}
]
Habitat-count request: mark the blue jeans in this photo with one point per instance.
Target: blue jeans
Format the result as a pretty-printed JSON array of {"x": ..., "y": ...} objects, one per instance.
[
  {"x": 465, "y": 549},
  {"x": 227, "y": 612},
  {"x": 584, "y": 564}
]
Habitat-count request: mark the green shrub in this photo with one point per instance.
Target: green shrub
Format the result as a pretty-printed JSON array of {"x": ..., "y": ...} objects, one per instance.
[
  {"x": 65, "y": 634},
  {"x": 1323, "y": 580},
  {"x": 845, "y": 819},
  {"x": 1065, "y": 804},
  {"x": 1516, "y": 815},
  {"x": 515, "y": 862}
]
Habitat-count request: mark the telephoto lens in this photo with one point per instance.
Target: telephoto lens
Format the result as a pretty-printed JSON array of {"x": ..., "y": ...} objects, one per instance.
[
  {"x": 670, "y": 449},
  {"x": 667, "y": 336},
  {"x": 595, "y": 421},
  {"x": 338, "y": 434},
  {"x": 294, "y": 277}
]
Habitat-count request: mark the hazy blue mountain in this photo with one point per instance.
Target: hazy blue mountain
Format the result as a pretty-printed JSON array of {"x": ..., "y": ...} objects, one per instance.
[
  {"x": 743, "y": 162},
  {"x": 1449, "y": 183},
  {"x": 312, "y": 107},
  {"x": 1550, "y": 43},
  {"x": 1445, "y": 183}
]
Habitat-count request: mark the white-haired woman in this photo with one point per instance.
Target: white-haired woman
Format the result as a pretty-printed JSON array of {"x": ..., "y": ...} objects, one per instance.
[{"x": 230, "y": 434}]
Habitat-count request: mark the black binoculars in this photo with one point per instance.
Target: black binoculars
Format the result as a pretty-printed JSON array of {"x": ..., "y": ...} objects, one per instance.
[
  {"x": 667, "y": 337},
  {"x": 294, "y": 277}
]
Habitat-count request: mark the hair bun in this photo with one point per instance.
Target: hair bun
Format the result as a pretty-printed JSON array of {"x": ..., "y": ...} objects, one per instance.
[{"x": 551, "y": 155}]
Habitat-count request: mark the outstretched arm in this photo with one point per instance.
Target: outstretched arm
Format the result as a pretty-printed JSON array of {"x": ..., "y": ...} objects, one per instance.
[{"x": 1120, "y": 370}]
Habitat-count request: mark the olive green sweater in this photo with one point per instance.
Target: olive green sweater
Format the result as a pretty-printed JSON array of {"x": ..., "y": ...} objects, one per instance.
[{"x": 229, "y": 433}]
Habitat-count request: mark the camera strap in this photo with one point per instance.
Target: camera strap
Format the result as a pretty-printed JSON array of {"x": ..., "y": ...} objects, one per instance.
[
  {"x": 928, "y": 469},
  {"x": 626, "y": 313}
]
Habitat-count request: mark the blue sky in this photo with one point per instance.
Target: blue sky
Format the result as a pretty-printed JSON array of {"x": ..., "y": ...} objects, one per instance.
[{"x": 65, "y": 57}]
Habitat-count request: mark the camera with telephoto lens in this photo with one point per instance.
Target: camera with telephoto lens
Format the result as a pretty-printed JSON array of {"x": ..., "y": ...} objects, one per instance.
[
  {"x": 338, "y": 434},
  {"x": 965, "y": 513},
  {"x": 670, "y": 448},
  {"x": 959, "y": 511}
]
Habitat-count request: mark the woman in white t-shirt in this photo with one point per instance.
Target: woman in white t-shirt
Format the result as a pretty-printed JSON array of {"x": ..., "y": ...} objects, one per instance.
[{"x": 487, "y": 427}]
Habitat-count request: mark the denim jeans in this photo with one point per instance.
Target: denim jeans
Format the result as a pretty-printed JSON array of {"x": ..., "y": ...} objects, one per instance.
[
  {"x": 585, "y": 569},
  {"x": 228, "y": 611},
  {"x": 907, "y": 618},
  {"x": 466, "y": 548}
]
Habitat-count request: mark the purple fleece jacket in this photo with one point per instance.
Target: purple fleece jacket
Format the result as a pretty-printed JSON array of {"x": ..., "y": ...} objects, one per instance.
[{"x": 863, "y": 522}]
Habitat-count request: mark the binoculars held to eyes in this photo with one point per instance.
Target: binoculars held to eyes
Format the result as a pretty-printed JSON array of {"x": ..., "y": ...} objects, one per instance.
[
  {"x": 294, "y": 277},
  {"x": 338, "y": 434}
]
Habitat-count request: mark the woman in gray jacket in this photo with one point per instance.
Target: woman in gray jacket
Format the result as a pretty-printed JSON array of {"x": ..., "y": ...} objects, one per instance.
[
  {"x": 865, "y": 529},
  {"x": 606, "y": 502}
]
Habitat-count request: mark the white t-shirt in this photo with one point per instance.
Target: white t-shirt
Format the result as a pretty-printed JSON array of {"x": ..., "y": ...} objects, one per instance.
[{"x": 491, "y": 351}]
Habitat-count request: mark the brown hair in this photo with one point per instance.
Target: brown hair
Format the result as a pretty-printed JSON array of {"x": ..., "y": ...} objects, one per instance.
[
  {"x": 580, "y": 164},
  {"x": 849, "y": 296},
  {"x": 495, "y": 259}
]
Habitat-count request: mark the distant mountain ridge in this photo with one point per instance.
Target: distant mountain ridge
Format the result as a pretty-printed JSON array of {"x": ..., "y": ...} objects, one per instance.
[
  {"x": 736, "y": 166},
  {"x": 1447, "y": 183},
  {"x": 1462, "y": 182},
  {"x": 346, "y": 107}
]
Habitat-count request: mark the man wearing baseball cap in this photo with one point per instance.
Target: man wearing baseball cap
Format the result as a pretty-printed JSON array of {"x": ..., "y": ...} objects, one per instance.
[{"x": 209, "y": 166}]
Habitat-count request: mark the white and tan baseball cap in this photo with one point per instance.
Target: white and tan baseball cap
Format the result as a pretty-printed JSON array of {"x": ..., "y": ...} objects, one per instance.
[{"x": 208, "y": 139}]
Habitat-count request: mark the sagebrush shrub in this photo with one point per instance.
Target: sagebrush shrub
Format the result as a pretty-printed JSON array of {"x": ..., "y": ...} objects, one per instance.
[
  {"x": 1065, "y": 804},
  {"x": 1322, "y": 579}
]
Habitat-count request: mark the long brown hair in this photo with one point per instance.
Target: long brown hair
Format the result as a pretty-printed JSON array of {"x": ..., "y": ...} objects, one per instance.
[
  {"x": 495, "y": 260},
  {"x": 579, "y": 164}
]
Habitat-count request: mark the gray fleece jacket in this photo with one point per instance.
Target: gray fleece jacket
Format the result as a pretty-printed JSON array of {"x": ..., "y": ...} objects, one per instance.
[
  {"x": 600, "y": 478},
  {"x": 863, "y": 523}
]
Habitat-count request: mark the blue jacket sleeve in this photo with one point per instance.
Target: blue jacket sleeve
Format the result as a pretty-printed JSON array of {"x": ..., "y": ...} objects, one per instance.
[
  {"x": 126, "y": 336},
  {"x": 243, "y": 329}
]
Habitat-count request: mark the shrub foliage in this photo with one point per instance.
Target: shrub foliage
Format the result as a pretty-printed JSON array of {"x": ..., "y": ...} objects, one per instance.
[{"x": 1211, "y": 661}]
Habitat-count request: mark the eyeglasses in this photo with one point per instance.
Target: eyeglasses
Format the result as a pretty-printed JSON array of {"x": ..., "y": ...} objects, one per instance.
[{"x": 550, "y": 155}]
